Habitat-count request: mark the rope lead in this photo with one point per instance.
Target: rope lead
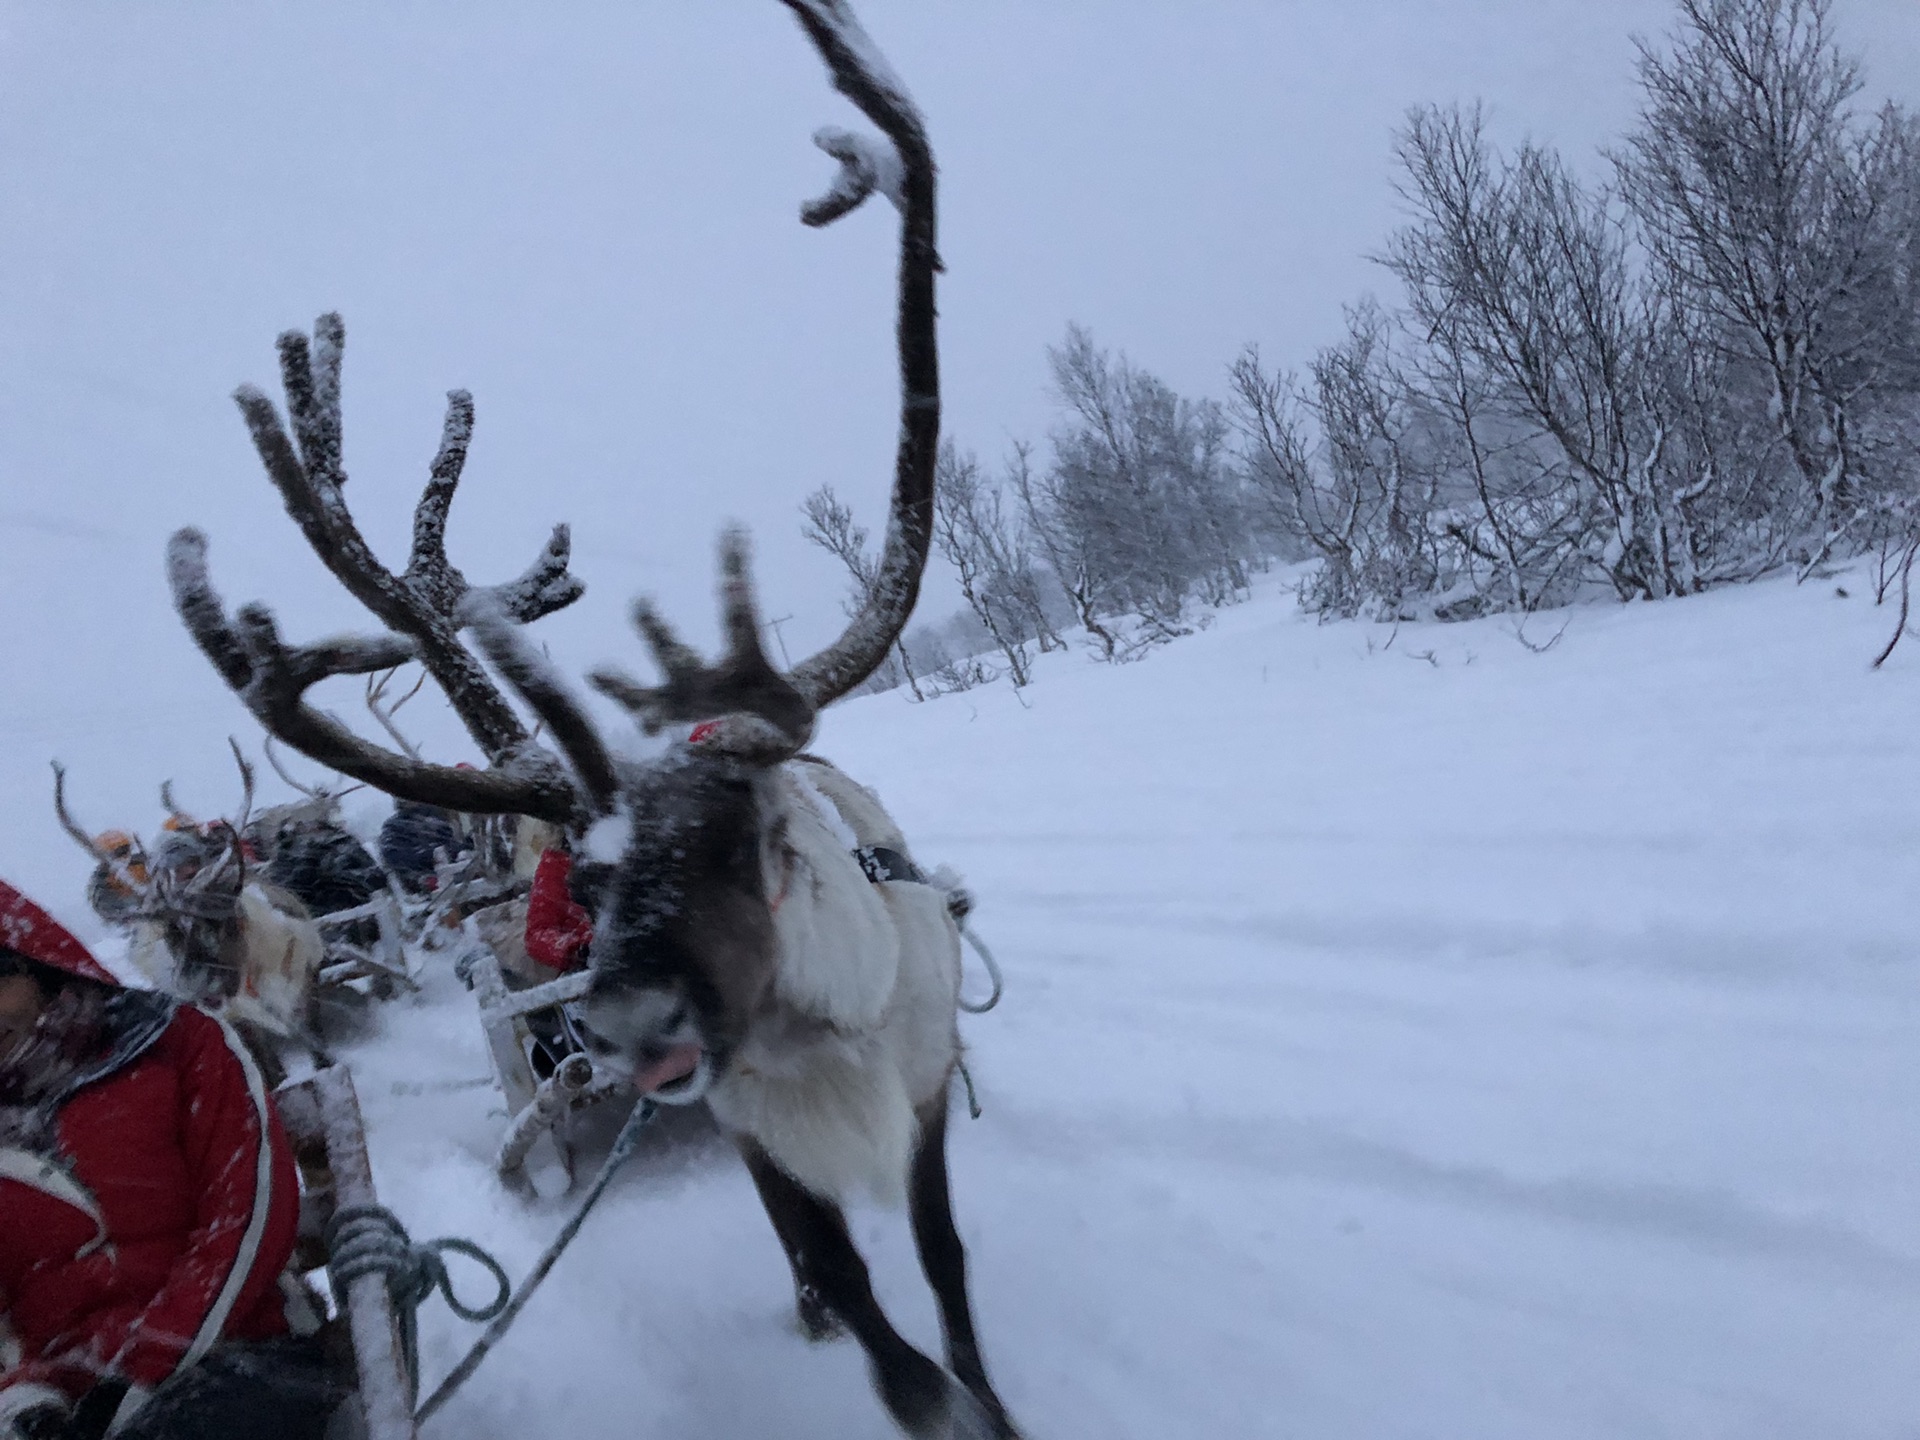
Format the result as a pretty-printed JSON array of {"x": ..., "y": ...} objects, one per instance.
[
  {"x": 502, "y": 1318},
  {"x": 370, "y": 1240},
  {"x": 993, "y": 970}
]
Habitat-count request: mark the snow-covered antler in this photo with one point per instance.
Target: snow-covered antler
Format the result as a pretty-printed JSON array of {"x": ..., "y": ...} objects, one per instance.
[
  {"x": 769, "y": 717},
  {"x": 769, "y": 720},
  {"x": 902, "y": 168},
  {"x": 426, "y": 607},
  {"x": 418, "y": 607},
  {"x": 866, "y": 165},
  {"x": 75, "y": 831}
]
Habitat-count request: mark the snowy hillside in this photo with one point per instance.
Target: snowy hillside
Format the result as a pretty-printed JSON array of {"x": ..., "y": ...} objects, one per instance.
[{"x": 1426, "y": 1039}]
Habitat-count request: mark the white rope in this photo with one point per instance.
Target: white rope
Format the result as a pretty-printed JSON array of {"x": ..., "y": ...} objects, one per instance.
[
  {"x": 623, "y": 1147},
  {"x": 993, "y": 969}
]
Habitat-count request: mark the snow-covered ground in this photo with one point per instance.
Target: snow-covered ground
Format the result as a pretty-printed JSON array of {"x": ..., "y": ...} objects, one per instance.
[{"x": 1430, "y": 1039}]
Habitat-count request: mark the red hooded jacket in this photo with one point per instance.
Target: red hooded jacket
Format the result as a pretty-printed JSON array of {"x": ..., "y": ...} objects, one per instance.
[
  {"x": 559, "y": 929},
  {"x": 158, "y": 1219}
]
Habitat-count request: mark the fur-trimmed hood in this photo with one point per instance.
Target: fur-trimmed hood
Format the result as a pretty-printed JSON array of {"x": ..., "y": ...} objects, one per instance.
[{"x": 26, "y": 928}]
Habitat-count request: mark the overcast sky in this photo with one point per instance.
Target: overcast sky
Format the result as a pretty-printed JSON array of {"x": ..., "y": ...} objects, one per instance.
[{"x": 586, "y": 214}]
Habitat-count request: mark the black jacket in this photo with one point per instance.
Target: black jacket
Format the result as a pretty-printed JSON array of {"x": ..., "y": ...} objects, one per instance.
[
  {"x": 326, "y": 867},
  {"x": 411, "y": 836}
]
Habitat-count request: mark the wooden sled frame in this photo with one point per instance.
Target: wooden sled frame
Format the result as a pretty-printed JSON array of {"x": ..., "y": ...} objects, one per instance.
[
  {"x": 321, "y": 1115},
  {"x": 384, "y": 961},
  {"x": 534, "y": 1147}
]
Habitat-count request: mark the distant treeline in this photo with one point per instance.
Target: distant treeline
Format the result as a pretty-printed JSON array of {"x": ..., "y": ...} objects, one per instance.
[{"x": 1702, "y": 369}]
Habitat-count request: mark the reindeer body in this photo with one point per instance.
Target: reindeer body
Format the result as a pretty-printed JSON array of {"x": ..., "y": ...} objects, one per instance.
[
  {"x": 279, "y": 952},
  {"x": 743, "y": 955},
  {"x": 259, "y": 965},
  {"x": 856, "y": 1032}
]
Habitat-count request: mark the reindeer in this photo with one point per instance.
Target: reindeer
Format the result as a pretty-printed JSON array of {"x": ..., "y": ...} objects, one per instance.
[
  {"x": 205, "y": 927},
  {"x": 319, "y": 804},
  {"x": 744, "y": 952}
]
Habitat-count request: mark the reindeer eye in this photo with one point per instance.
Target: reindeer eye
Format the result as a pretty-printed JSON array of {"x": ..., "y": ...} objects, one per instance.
[{"x": 677, "y": 1016}]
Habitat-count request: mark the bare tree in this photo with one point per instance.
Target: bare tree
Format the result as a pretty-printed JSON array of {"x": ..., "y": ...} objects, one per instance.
[
  {"x": 1790, "y": 223},
  {"x": 1022, "y": 578},
  {"x": 1142, "y": 474},
  {"x": 831, "y": 526},
  {"x": 1686, "y": 379},
  {"x": 1527, "y": 277},
  {"x": 990, "y": 555},
  {"x": 1072, "y": 554}
]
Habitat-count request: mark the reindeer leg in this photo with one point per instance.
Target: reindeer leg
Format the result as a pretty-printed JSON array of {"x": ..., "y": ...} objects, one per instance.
[
  {"x": 817, "y": 1323},
  {"x": 944, "y": 1260},
  {"x": 923, "y": 1399}
]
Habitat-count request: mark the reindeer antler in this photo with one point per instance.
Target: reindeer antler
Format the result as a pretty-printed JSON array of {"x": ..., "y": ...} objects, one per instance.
[
  {"x": 773, "y": 714},
  {"x": 906, "y": 176},
  {"x": 427, "y": 606},
  {"x": 418, "y": 606},
  {"x": 743, "y": 684},
  {"x": 387, "y": 712},
  {"x": 239, "y": 827},
  {"x": 169, "y": 804},
  {"x": 116, "y": 866},
  {"x": 75, "y": 831}
]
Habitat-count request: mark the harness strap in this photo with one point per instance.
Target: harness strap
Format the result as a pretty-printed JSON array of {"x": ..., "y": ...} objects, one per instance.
[{"x": 879, "y": 862}]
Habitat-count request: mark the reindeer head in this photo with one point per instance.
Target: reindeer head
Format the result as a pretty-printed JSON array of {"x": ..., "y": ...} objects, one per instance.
[
  {"x": 188, "y": 884},
  {"x": 685, "y": 941}
]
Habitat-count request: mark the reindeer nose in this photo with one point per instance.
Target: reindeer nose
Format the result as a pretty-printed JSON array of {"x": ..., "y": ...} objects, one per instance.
[{"x": 675, "y": 1064}]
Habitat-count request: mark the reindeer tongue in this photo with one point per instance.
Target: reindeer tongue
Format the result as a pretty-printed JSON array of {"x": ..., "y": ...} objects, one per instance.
[{"x": 677, "y": 1064}]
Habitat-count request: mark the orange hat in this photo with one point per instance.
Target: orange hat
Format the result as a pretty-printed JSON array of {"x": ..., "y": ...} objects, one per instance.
[{"x": 115, "y": 842}]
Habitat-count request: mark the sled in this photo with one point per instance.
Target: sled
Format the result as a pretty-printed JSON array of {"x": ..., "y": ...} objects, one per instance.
[
  {"x": 383, "y": 963},
  {"x": 321, "y": 1115},
  {"x": 534, "y": 1148}
]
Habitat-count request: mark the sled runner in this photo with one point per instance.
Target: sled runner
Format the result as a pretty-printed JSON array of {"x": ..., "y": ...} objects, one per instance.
[
  {"x": 322, "y": 1119},
  {"x": 367, "y": 942}
]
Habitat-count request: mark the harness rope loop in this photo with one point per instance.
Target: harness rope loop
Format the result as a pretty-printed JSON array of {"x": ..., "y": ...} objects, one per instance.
[{"x": 370, "y": 1240}]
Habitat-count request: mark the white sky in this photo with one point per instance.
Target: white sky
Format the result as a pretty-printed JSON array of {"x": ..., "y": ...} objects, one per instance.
[{"x": 585, "y": 213}]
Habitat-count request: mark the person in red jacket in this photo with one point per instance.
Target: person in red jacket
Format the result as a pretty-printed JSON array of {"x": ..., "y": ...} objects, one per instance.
[
  {"x": 559, "y": 927},
  {"x": 148, "y": 1208}
]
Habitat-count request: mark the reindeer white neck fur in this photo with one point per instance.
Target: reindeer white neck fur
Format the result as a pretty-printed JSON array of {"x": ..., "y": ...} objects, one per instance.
[{"x": 861, "y": 1033}]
